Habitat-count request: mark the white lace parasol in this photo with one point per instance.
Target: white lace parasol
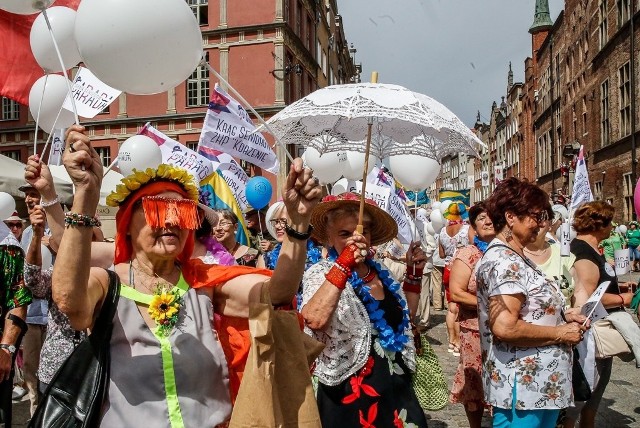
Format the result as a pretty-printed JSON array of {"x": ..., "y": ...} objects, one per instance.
[{"x": 335, "y": 118}]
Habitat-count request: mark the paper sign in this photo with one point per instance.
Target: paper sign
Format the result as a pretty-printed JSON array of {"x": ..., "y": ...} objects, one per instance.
[
  {"x": 622, "y": 261},
  {"x": 235, "y": 177},
  {"x": 57, "y": 147},
  {"x": 90, "y": 94},
  {"x": 180, "y": 155},
  {"x": 593, "y": 308},
  {"x": 565, "y": 239}
]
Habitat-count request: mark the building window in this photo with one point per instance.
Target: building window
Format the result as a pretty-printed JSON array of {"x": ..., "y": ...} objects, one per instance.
[
  {"x": 597, "y": 191},
  {"x": 603, "y": 36},
  {"x": 198, "y": 86},
  {"x": 105, "y": 155},
  {"x": 193, "y": 145},
  {"x": 623, "y": 11},
  {"x": 14, "y": 154},
  {"x": 625, "y": 99},
  {"x": 627, "y": 188},
  {"x": 105, "y": 110},
  {"x": 200, "y": 9},
  {"x": 605, "y": 126},
  {"x": 10, "y": 109},
  {"x": 298, "y": 23}
]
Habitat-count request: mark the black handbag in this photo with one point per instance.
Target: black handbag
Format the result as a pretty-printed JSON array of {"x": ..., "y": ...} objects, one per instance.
[
  {"x": 581, "y": 388},
  {"x": 75, "y": 395}
]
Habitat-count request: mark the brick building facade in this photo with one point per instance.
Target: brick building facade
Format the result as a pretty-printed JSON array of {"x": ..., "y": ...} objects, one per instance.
[{"x": 272, "y": 51}]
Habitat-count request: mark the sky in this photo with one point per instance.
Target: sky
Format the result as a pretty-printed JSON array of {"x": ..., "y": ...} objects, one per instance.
[{"x": 456, "y": 51}]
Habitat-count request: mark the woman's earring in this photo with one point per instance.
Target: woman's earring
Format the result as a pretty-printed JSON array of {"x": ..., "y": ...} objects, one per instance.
[{"x": 508, "y": 235}]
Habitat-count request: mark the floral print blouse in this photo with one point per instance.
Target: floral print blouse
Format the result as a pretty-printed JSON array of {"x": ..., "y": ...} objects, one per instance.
[{"x": 541, "y": 375}]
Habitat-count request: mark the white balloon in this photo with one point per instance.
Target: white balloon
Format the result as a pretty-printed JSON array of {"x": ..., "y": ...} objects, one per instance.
[
  {"x": 435, "y": 205},
  {"x": 55, "y": 92},
  {"x": 623, "y": 229},
  {"x": 325, "y": 167},
  {"x": 7, "y": 205},
  {"x": 24, "y": 7},
  {"x": 46, "y": 257},
  {"x": 141, "y": 47},
  {"x": 422, "y": 215},
  {"x": 437, "y": 221},
  {"x": 429, "y": 229},
  {"x": 353, "y": 167},
  {"x": 444, "y": 206},
  {"x": 562, "y": 210},
  {"x": 339, "y": 186},
  {"x": 139, "y": 152},
  {"x": 62, "y": 21},
  {"x": 414, "y": 172}
]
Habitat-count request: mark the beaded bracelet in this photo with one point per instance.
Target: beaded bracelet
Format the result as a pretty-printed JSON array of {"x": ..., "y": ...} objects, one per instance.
[
  {"x": 75, "y": 219},
  {"x": 47, "y": 204}
]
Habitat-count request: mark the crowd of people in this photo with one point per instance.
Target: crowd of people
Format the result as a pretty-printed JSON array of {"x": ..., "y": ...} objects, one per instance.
[{"x": 181, "y": 338}]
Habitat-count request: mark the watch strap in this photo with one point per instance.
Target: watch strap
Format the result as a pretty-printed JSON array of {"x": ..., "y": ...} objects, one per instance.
[
  {"x": 302, "y": 236},
  {"x": 10, "y": 348}
]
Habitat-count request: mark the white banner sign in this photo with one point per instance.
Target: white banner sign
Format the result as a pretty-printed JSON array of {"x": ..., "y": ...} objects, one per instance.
[
  {"x": 90, "y": 94},
  {"x": 565, "y": 239},
  {"x": 180, "y": 155},
  {"x": 593, "y": 308},
  {"x": 57, "y": 147},
  {"x": 622, "y": 261},
  {"x": 498, "y": 173},
  {"x": 228, "y": 128},
  {"x": 485, "y": 178},
  {"x": 235, "y": 177}
]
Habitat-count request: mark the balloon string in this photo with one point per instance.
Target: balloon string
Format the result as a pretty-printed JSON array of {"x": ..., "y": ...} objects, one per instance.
[
  {"x": 50, "y": 135},
  {"x": 35, "y": 140},
  {"x": 242, "y": 100},
  {"x": 415, "y": 225},
  {"x": 115, "y": 161},
  {"x": 64, "y": 69}
]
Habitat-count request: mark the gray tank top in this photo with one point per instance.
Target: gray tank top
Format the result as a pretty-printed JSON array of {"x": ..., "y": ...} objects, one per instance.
[{"x": 137, "y": 386}]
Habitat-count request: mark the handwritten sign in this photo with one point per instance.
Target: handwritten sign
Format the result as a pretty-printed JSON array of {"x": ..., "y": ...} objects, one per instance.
[
  {"x": 57, "y": 147},
  {"x": 593, "y": 308},
  {"x": 565, "y": 239},
  {"x": 180, "y": 155},
  {"x": 622, "y": 261},
  {"x": 235, "y": 177},
  {"x": 91, "y": 95}
]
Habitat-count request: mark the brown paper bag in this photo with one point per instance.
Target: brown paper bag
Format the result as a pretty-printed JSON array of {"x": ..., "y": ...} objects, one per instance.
[{"x": 276, "y": 386}]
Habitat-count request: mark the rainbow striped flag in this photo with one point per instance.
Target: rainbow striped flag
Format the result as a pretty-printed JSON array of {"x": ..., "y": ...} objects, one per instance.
[{"x": 216, "y": 193}]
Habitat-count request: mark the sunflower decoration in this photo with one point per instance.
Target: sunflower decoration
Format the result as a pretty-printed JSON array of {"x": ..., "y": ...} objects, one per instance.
[{"x": 164, "y": 309}]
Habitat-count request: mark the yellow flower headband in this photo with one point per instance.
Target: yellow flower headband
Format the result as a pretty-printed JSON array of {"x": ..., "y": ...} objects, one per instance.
[{"x": 164, "y": 172}]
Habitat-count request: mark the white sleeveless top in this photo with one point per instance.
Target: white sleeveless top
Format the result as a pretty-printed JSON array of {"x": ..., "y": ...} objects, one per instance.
[{"x": 452, "y": 243}]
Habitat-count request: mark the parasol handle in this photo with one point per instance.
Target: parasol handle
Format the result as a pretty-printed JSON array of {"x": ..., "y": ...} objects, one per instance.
[{"x": 360, "y": 227}]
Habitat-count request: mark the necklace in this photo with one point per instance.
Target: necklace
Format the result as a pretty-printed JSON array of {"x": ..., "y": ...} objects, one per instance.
[
  {"x": 163, "y": 305},
  {"x": 537, "y": 253},
  {"x": 390, "y": 339}
]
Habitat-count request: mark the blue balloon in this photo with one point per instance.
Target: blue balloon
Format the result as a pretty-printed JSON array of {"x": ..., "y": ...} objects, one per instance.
[{"x": 258, "y": 192}]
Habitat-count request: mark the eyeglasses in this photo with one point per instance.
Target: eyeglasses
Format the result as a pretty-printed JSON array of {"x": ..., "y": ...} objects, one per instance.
[
  {"x": 12, "y": 225},
  {"x": 224, "y": 224},
  {"x": 279, "y": 222},
  {"x": 540, "y": 216}
]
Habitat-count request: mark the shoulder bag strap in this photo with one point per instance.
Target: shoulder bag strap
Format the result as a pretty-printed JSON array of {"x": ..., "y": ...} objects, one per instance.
[{"x": 110, "y": 304}]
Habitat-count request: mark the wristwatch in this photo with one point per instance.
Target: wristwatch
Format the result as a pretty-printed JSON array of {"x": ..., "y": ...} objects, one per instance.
[{"x": 10, "y": 348}]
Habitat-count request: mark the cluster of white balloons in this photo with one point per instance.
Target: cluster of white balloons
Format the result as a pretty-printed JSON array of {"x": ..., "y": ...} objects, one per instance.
[
  {"x": 412, "y": 171},
  {"x": 141, "y": 47}
]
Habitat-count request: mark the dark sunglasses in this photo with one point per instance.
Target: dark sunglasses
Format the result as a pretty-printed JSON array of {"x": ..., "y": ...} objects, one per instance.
[{"x": 12, "y": 225}]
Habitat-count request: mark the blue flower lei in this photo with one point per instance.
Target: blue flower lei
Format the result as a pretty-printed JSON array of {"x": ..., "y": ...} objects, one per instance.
[
  {"x": 390, "y": 340},
  {"x": 313, "y": 256}
]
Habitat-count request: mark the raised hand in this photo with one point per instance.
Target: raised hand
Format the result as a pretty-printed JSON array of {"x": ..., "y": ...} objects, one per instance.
[
  {"x": 81, "y": 160},
  {"x": 302, "y": 192},
  {"x": 37, "y": 174},
  {"x": 38, "y": 219}
]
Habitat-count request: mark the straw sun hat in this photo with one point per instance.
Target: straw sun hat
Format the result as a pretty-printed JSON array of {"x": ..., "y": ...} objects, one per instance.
[{"x": 383, "y": 226}]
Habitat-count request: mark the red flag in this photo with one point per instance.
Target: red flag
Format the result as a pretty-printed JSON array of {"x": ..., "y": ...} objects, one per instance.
[{"x": 18, "y": 68}]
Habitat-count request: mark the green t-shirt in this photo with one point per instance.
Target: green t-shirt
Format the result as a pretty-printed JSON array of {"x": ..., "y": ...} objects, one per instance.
[
  {"x": 633, "y": 237},
  {"x": 614, "y": 242}
]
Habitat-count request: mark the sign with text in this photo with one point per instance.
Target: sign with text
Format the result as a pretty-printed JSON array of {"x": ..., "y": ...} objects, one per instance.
[
  {"x": 57, "y": 147},
  {"x": 91, "y": 95},
  {"x": 622, "y": 261},
  {"x": 593, "y": 308},
  {"x": 180, "y": 155},
  {"x": 228, "y": 128},
  {"x": 235, "y": 177}
]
